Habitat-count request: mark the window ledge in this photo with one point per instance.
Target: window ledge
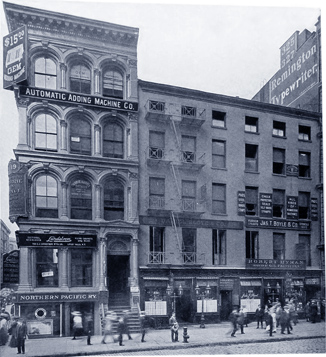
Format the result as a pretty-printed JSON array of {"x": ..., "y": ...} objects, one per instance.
[
  {"x": 278, "y": 175},
  {"x": 251, "y": 132},
  {"x": 305, "y": 178},
  {"x": 251, "y": 172},
  {"x": 280, "y": 137},
  {"x": 305, "y": 141},
  {"x": 218, "y": 127},
  {"x": 219, "y": 214},
  {"x": 218, "y": 168}
]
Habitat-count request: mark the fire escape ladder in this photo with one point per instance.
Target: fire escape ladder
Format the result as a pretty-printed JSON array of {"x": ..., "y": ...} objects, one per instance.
[
  {"x": 175, "y": 228},
  {"x": 176, "y": 135},
  {"x": 176, "y": 179}
]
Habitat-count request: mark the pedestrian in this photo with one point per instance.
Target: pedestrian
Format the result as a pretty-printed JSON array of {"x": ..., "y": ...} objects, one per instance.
[
  {"x": 12, "y": 332},
  {"x": 21, "y": 333},
  {"x": 269, "y": 322},
  {"x": 174, "y": 327},
  {"x": 126, "y": 324},
  {"x": 285, "y": 321},
  {"x": 307, "y": 311},
  {"x": 3, "y": 329},
  {"x": 292, "y": 312},
  {"x": 110, "y": 318},
  {"x": 245, "y": 312},
  {"x": 313, "y": 311},
  {"x": 233, "y": 318},
  {"x": 278, "y": 311},
  {"x": 143, "y": 325},
  {"x": 77, "y": 324},
  {"x": 89, "y": 325},
  {"x": 241, "y": 320},
  {"x": 259, "y": 316},
  {"x": 121, "y": 330}
]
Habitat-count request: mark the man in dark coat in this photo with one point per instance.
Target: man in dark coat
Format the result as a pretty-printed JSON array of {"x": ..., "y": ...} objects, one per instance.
[
  {"x": 269, "y": 322},
  {"x": 21, "y": 333},
  {"x": 260, "y": 316},
  {"x": 233, "y": 318},
  {"x": 285, "y": 321},
  {"x": 241, "y": 320}
]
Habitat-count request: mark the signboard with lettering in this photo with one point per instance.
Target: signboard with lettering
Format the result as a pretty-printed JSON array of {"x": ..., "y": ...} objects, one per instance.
[
  {"x": 314, "y": 209},
  {"x": 15, "y": 57},
  {"x": 292, "y": 208},
  {"x": 11, "y": 267},
  {"x": 77, "y": 98},
  {"x": 266, "y": 205},
  {"x": 312, "y": 281},
  {"x": 277, "y": 224},
  {"x": 275, "y": 264},
  {"x": 241, "y": 203},
  {"x": 292, "y": 170},
  {"x": 17, "y": 173},
  {"x": 56, "y": 297},
  {"x": 297, "y": 76},
  {"x": 226, "y": 284},
  {"x": 55, "y": 240},
  {"x": 288, "y": 50}
]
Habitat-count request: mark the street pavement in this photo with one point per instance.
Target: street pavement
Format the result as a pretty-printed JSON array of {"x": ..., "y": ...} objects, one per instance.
[{"x": 211, "y": 335}]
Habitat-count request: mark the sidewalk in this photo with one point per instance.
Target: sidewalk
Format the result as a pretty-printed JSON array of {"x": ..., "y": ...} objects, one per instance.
[{"x": 212, "y": 334}]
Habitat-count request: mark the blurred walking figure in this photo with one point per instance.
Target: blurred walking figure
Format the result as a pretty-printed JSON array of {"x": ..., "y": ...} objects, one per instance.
[
  {"x": 245, "y": 312},
  {"x": 77, "y": 324},
  {"x": 110, "y": 318},
  {"x": 12, "y": 332},
  {"x": 21, "y": 333},
  {"x": 233, "y": 318},
  {"x": 285, "y": 321},
  {"x": 241, "y": 319},
  {"x": 260, "y": 311},
  {"x": 89, "y": 323},
  {"x": 143, "y": 325},
  {"x": 121, "y": 330},
  {"x": 126, "y": 324},
  {"x": 174, "y": 327},
  {"x": 307, "y": 311},
  {"x": 269, "y": 322}
]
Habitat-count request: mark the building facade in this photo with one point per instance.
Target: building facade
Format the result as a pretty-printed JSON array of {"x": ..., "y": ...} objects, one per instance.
[
  {"x": 229, "y": 209},
  {"x": 147, "y": 196},
  {"x": 4, "y": 245},
  {"x": 78, "y": 159}
]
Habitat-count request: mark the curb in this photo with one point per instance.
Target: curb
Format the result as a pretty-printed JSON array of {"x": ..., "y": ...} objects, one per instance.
[{"x": 183, "y": 346}]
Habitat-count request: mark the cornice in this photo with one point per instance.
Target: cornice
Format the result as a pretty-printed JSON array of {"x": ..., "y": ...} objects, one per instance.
[{"x": 74, "y": 26}]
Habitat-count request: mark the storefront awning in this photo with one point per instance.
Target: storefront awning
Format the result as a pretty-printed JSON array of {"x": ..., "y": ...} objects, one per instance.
[{"x": 250, "y": 282}]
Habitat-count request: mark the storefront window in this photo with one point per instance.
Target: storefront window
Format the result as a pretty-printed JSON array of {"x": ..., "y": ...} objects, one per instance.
[
  {"x": 155, "y": 301},
  {"x": 206, "y": 298},
  {"x": 47, "y": 267},
  {"x": 81, "y": 267},
  {"x": 250, "y": 294}
]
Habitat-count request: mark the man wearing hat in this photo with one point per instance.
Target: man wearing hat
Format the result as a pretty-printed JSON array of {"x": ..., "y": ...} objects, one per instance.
[
  {"x": 143, "y": 325},
  {"x": 78, "y": 324}
]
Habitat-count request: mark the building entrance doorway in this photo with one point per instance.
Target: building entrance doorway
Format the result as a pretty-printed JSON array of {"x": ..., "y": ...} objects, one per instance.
[
  {"x": 226, "y": 304},
  {"x": 118, "y": 274}
]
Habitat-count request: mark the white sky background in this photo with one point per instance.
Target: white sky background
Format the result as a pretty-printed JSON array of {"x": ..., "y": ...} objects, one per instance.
[{"x": 230, "y": 49}]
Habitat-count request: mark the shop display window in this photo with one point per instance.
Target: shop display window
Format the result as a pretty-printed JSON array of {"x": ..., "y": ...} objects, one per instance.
[
  {"x": 155, "y": 301},
  {"x": 250, "y": 295},
  {"x": 208, "y": 302},
  {"x": 81, "y": 267},
  {"x": 47, "y": 267}
]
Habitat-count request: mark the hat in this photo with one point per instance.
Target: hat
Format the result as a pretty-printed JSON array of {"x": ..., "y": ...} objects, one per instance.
[
  {"x": 142, "y": 313},
  {"x": 75, "y": 313}
]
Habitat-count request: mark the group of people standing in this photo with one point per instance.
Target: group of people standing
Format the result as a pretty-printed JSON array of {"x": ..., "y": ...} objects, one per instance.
[{"x": 16, "y": 328}]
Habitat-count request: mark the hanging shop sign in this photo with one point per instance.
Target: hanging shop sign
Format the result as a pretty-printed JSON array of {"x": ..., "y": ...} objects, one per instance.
[
  {"x": 77, "y": 98},
  {"x": 292, "y": 170},
  {"x": 241, "y": 203},
  {"x": 17, "y": 173},
  {"x": 15, "y": 57},
  {"x": 314, "y": 209},
  {"x": 275, "y": 264},
  {"x": 277, "y": 224},
  {"x": 266, "y": 205},
  {"x": 55, "y": 240},
  {"x": 292, "y": 208},
  {"x": 56, "y": 297},
  {"x": 11, "y": 267},
  {"x": 226, "y": 284}
]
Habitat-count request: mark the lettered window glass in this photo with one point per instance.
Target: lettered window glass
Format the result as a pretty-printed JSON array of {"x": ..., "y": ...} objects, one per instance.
[
  {"x": 80, "y": 79},
  {"x": 81, "y": 267},
  {"x": 81, "y": 199},
  {"x": 45, "y": 132},
  {"x": 46, "y": 266},
  {"x": 80, "y": 136},
  {"x": 45, "y": 73},
  {"x": 46, "y": 197},
  {"x": 113, "y": 84},
  {"x": 113, "y": 200},
  {"x": 218, "y": 154},
  {"x": 113, "y": 140}
]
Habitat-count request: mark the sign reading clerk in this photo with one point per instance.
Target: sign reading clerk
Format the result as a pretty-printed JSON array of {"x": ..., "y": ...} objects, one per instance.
[{"x": 15, "y": 57}]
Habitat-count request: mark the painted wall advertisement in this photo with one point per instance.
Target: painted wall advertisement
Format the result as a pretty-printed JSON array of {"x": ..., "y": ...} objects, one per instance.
[{"x": 15, "y": 57}]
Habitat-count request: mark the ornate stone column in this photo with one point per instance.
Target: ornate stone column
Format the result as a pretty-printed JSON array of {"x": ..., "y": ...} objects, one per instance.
[
  {"x": 64, "y": 207},
  {"x": 64, "y": 268},
  {"x": 133, "y": 136},
  {"x": 103, "y": 265},
  {"x": 135, "y": 274},
  {"x": 96, "y": 81},
  {"x": 97, "y": 202},
  {"x": 63, "y": 70},
  {"x": 24, "y": 271},
  {"x": 63, "y": 138},
  {"x": 22, "y": 104},
  {"x": 97, "y": 132}
]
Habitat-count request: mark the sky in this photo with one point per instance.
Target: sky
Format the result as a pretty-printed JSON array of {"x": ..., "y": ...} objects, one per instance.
[{"x": 224, "y": 47}]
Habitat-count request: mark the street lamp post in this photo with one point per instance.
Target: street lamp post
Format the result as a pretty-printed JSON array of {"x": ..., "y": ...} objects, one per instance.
[
  {"x": 174, "y": 296},
  {"x": 202, "y": 295}
]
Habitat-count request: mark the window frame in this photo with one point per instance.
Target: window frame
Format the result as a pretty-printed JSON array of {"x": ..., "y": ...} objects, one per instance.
[
  {"x": 279, "y": 129},
  {"x": 304, "y": 130},
  {"x": 252, "y": 244},
  {"x": 218, "y": 119},
  {"x": 79, "y": 80},
  {"x": 120, "y": 89},
  {"x": 76, "y": 209},
  {"x": 119, "y": 207},
  {"x": 279, "y": 167},
  {"x": 304, "y": 211},
  {"x": 219, "y": 157},
  {"x": 278, "y": 199},
  {"x": 250, "y": 126},
  {"x": 83, "y": 139},
  {"x": 41, "y": 256},
  {"x": 251, "y": 202},
  {"x": 46, "y": 133},
  {"x": 251, "y": 162},
  {"x": 45, "y": 74},
  {"x": 46, "y": 211},
  {"x": 113, "y": 142},
  {"x": 304, "y": 169},
  {"x": 219, "y": 247},
  {"x": 74, "y": 264},
  {"x": 219, "y": 200},
  {"x": 278, "y": 254}
]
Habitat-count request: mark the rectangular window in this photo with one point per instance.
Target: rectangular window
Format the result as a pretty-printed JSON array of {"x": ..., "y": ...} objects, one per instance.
[
  {"x": 46, "y": 266},
  {"x": 278, "y": 128},
  {"x": 189, "y": 245},
  {"x": 156, "y": 144},
  {"x": 188, "y": 148},
  {"x": 188, "y": 111},
  {"x": 278, "y": 161},
  {"x": 156, "y": 244},
  {"x": 218, "y": 119},
  {"x": 189, "y": 196},
  {"x": 304, "y": 133},
  {"x": 304, "y": 205},
  {"x": 156, "y": 193},
  {"x": 251, "y": 152},
  {"x": 218, "y": 154},
  {"x": 279, "y": 246},
  {"x": 81, "y": 267},
  {"x": 219, "y": 247},
  {"x": 278, "y": 203},
  {"x": 251, "y": 124},
  {"x": 304, "y": 239},
  {"x": 218, "y": 198},
  {"x": 304, "y": 164},
  {"x": 251, "y": 194},
  {"x": 251, "y": 245}
]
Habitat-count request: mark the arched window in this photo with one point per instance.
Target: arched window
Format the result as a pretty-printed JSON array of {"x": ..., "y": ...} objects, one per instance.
[
  {"x": 46, "y": 197},
  {"x": 113, "y": 140},
  {"x": 45, "y": 73},
  {"x": 113, "y": 200},
  {"x": 45, "y": 132},
  {"x": 112, "y": 84},
  {"x": 81, "y": 199},
  {"x": 80, "y": 136},
  {"x": 80, "y": 79}
]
